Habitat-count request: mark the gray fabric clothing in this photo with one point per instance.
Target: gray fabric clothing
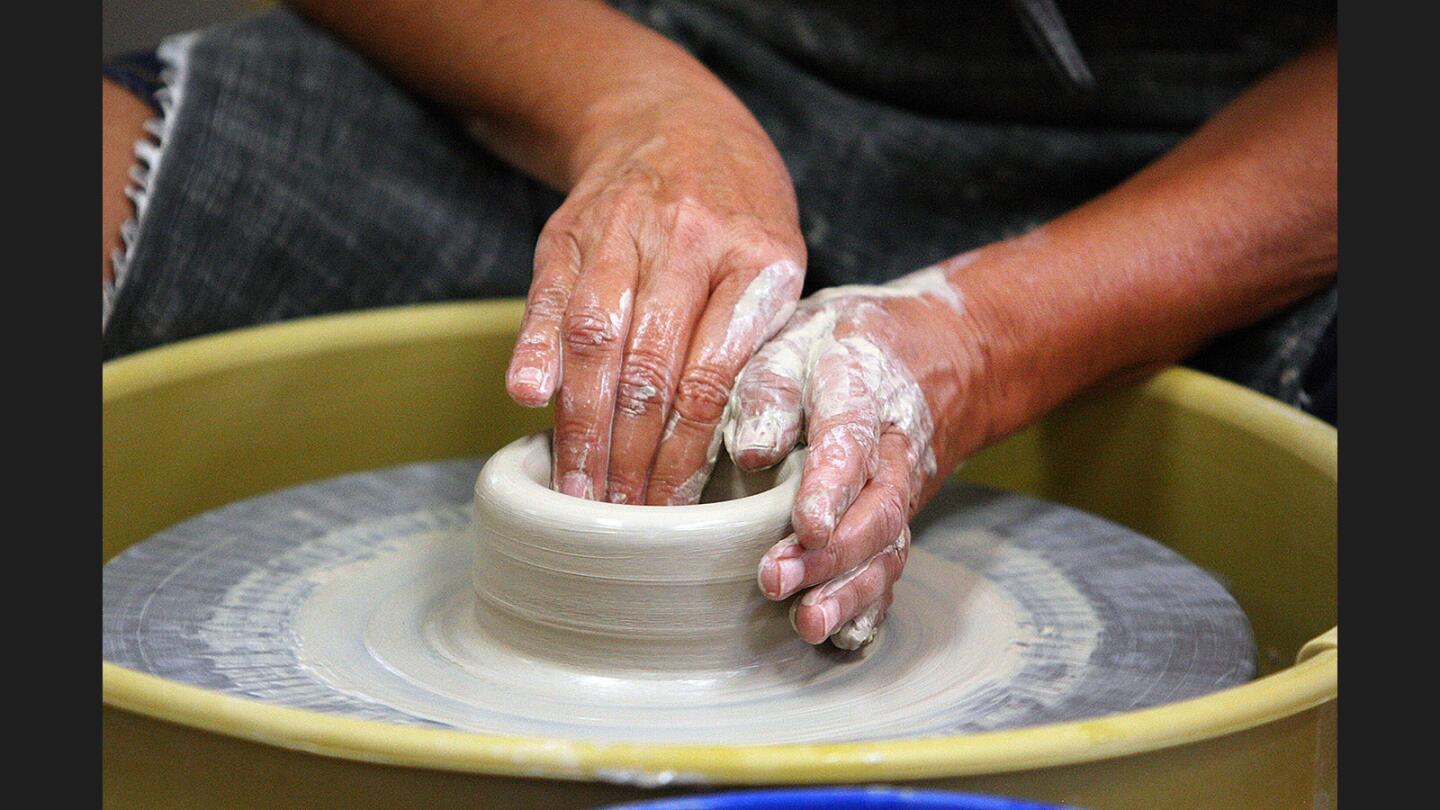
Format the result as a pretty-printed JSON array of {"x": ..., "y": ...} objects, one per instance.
[{"x": 294, "y": 177}]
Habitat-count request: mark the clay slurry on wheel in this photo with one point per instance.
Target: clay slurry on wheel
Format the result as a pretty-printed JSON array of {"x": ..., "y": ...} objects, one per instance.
[{"x": 352, "y": 596}]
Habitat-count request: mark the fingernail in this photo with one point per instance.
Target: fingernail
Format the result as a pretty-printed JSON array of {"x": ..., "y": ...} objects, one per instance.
[
  {"x": 749, "y": 438},
  {"x": 792, "y": 574},
  {"x": 830, "y": 609},
  {"x": 764, "y": 572},
  {"x": 786, "y": 572},
  {"x": 577, "y": 484},
  {"x": 529, "y": 376}
]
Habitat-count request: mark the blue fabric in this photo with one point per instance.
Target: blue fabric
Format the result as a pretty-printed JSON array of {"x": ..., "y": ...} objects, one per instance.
[{"x": 838, "y": 798}]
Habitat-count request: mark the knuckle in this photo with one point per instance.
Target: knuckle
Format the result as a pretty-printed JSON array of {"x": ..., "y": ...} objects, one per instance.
[
  {"x": 590, "y": 330},
  {"x": 666, "y": 489},
  {"x": 691, "y": 224},
  {"x": 662, "y": 483},
  {"x": 701, "y": 396},
  {"x": 574, "y": 438},
  {"x": 838, "y": 442},
  {"x": 761, "y": 391},
  {"x": 835, "y": 558},
  {"x": 755, "y": 247},
  {"x": 625, "y": 487},
  {"x": 893, "y": 508},
  {"x": 644, "y": 383},
  {"x": 632, "y": 199},
  {"x": 558, "y": 243},
  {"x": 547, "y": 303},
  {"x": 828, "y": 561}
]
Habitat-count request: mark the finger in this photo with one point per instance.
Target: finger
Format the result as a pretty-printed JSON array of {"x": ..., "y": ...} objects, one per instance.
[
  {"x": 844, "y": 439},
  {"x": 862, "y": 629},
  {"x": 535, "y": 364},
  {"x": 592, "y": 334},
  {"x": 877, "y": 517},
  {"x": 766, "y": 416},
  {"x": 826, "y": 608},
  {"x": 668, "y": 307},
  {"x": 743, "y": 312}
]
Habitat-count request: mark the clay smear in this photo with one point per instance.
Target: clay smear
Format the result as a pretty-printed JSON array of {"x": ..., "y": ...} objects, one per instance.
[{"x": 762, "y": 310}]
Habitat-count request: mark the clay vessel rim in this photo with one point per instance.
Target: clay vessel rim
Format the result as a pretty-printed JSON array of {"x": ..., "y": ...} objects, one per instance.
[{"x": 506, "y": 487}]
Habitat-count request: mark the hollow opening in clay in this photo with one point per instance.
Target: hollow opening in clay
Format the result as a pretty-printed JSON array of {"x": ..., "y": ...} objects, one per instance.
[
  {"x": 727, "y": 483},
  {"x": 595, "y": 621},
  {"x": 604, "y": 585}
]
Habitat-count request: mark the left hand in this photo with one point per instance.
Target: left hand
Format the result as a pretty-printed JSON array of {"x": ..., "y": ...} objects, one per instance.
[
  {"x": 882, "y": 379},
  {"x": 893, "y": 387},
  {"x": 677, "y": 253}
]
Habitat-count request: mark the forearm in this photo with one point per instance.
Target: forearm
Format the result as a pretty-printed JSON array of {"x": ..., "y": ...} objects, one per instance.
[
  {"x": 891, "y": 386},
  {"x": 542, "y": 83},
  {"x": 1236, "y": 223}
]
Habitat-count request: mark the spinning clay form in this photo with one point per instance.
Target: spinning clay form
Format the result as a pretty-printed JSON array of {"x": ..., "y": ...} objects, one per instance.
[
  {"x": 612, "y": 587},
  {"x": 383, "y": 595}
]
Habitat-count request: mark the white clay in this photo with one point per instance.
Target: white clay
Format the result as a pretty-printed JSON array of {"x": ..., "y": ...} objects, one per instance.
[
  {"x": 763, "y": 308},
  {"x": 354, "y": 596},
  {"x": 621, "y": 586},
  {"x": 846, "y": 380}
]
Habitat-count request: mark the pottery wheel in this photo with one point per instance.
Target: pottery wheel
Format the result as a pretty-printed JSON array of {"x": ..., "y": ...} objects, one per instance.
[{"x": 352, "y": 596}]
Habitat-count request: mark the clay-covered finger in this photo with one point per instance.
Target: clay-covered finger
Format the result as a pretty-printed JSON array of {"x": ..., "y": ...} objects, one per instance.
[
  {"x": 878, "y": 515},
  {"x": 824, "y": 609},
  {"x": 766, "y": 413},
  {"x": 535, "y": 365},
  {"x": 862, "y": 629},
  {"x": 592, "y": 334},
  {"x": 844, "y": 441},
  {"x": 666, "y": 310},
  {"x": 882, "y": 509},
  {"x": 743, "y": 312}
]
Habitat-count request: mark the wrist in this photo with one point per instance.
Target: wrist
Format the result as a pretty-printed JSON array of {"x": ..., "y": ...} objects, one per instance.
[
  {"x": 1026, "y": 350},
  {"x": 662, "y": 113},
  {"x": 950, "y": 349}
]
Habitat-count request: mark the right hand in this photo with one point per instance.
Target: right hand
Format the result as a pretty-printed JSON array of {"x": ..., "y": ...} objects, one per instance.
[
  {"x": 675, "y": 256},
  {"x": 887, "y": 386}
]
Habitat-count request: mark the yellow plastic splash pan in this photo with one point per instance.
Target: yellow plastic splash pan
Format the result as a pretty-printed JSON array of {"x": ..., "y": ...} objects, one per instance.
[{"x": 1238, "y": 483}]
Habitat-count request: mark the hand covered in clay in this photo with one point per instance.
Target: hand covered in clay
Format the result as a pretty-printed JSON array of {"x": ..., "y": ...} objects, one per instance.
[
  {"x": 675, "y": 256},
  {"x": 872, "y": 378}
]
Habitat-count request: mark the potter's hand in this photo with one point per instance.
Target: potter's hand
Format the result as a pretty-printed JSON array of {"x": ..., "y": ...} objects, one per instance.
[
  {"x": 674, "y": 257},
  {"x": 676, "y": 253},
  {"x": 864, "y": 371},
  {"x": 1233, "y": 225}
]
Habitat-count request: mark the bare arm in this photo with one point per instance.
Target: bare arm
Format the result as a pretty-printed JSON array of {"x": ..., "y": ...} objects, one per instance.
[
  {"x": 1234, "y": 224},
  {"x": 545, "y": 82},
  {"x": 899, "y": 383}
]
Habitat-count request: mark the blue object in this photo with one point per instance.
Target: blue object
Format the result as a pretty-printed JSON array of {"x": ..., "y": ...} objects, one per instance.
[{"x": 838, "y": 798}]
